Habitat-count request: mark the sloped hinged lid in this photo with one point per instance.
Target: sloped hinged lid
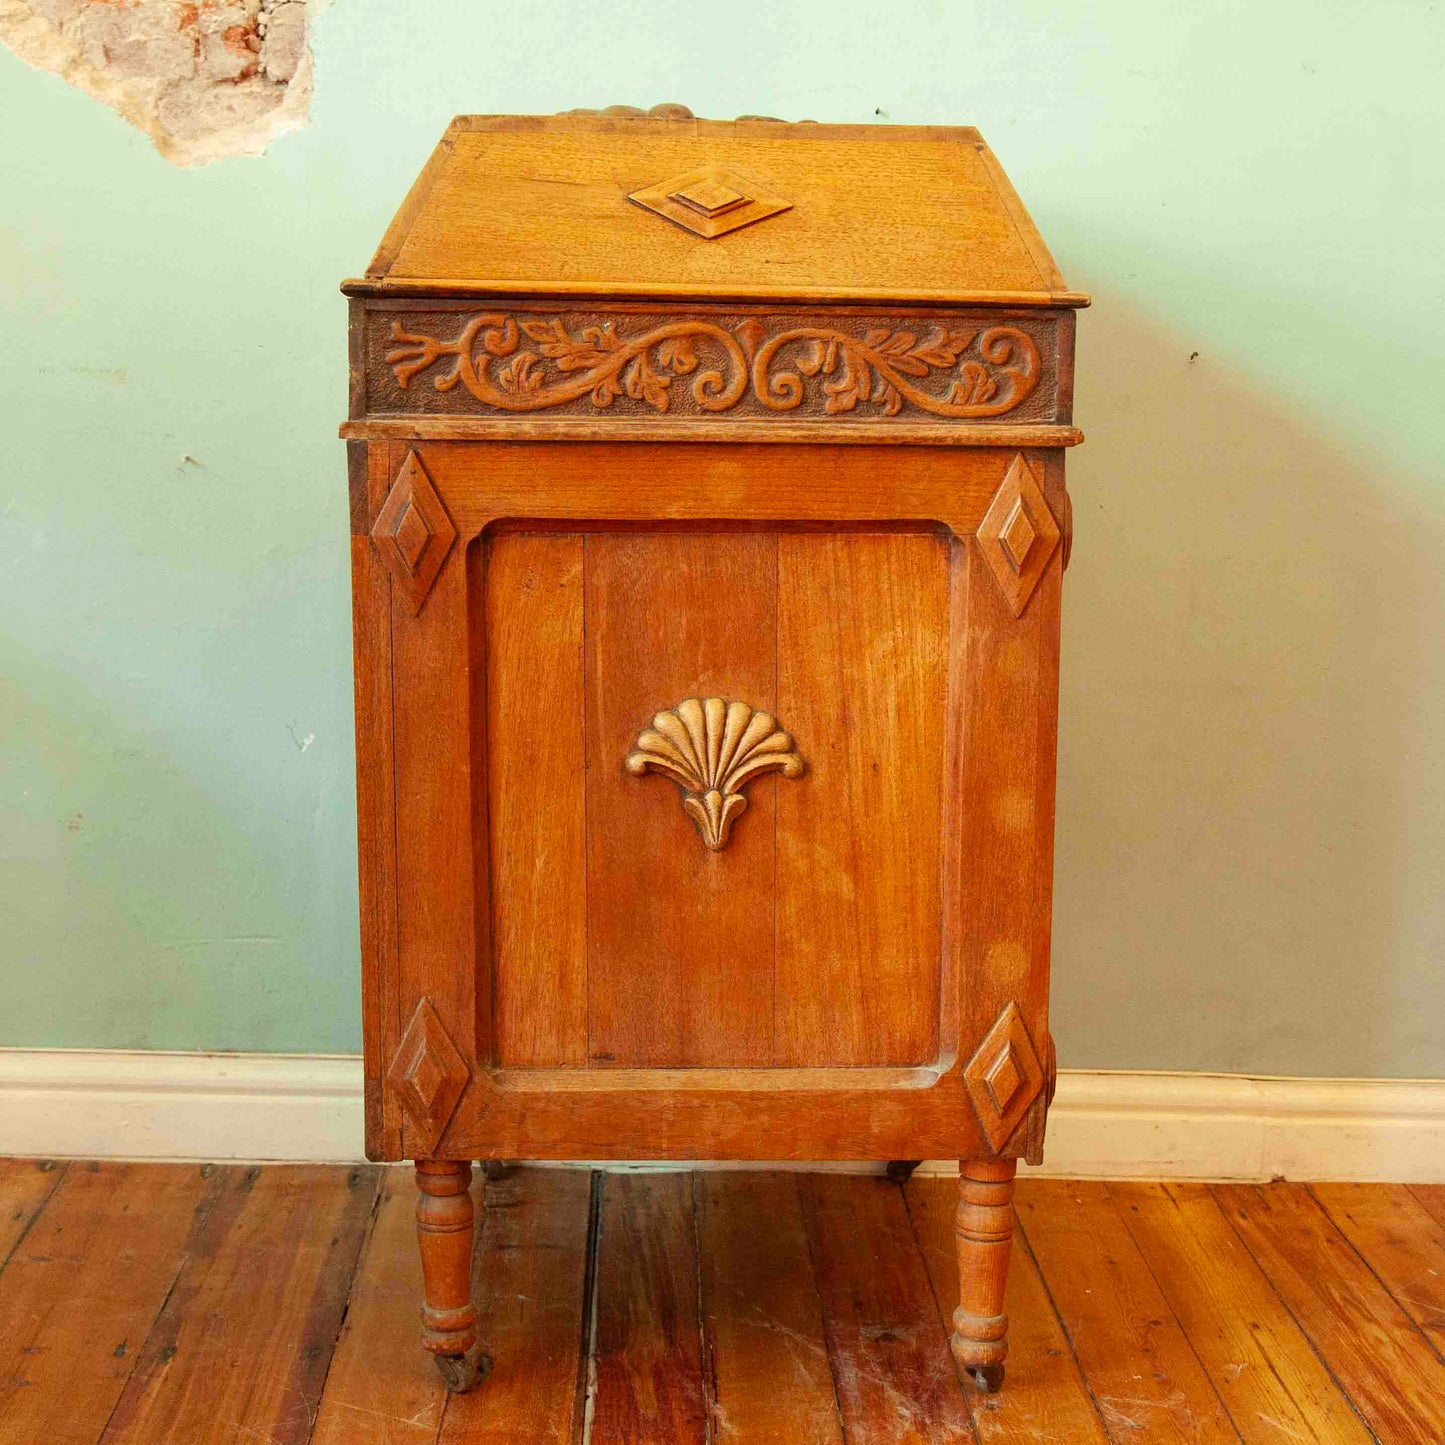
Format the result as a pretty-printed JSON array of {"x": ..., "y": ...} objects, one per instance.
[{"x": 647, "y": 206}]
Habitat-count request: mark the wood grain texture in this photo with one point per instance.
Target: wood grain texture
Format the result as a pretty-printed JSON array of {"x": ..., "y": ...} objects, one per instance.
[
  {"x": 891, "y": 1366},
  {"x": 1145, "y": 1379},
  {"x": 536, "y": 770},
  {"x": 1432, "y": 1198},
  {"x": 529, "y": 1282},
  {"x": 380, "y": 1388},
  {"x": 441, "y": 855},
  {"x": 25, "y": 1185},
  {"x": 680, "y": 943},
  {"x": 82, "y": 1289},
  {"x": 714, "y": 430},
  {"x": 1044, "y": 1396},
  {"x": 647, "y": 1354},
  {"x": 1268, "y": 1376},
  {"x": 375, "y": 814},
  {"x": 1372, "y": 1347},
  {"x": 863, "y": 643},
  {"x": 999, "y": 883},
  {"x": 1401, "y": 1241},
  {"x": 241, "y": 1348},
  {"x": 769, "y": 1381},
  {"x": 877, "y": 211}
]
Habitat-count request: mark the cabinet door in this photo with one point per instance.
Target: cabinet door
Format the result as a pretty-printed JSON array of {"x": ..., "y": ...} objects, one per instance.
[{"x": 811, "y": 934}]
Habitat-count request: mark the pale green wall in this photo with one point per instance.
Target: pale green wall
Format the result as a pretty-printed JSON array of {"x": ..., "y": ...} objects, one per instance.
[{"x": 1251, "y": 856}]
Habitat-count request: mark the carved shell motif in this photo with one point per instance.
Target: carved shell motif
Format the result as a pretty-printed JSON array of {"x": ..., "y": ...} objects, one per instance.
[{"x": 712, "y": 747}]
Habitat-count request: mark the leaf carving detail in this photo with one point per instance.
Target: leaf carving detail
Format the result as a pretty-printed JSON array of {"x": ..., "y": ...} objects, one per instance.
[{"x": 984, "y": 373}]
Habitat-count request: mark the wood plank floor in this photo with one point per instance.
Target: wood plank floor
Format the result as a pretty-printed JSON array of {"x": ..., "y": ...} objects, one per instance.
[{"x": 181, "y": 1305}]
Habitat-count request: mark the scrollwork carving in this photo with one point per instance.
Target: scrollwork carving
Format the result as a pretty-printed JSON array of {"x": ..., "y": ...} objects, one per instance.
[
  {"x": 606, "y": 364},
  {"x": 875, "y": 368},
  {"x": 951, "y": 367}
]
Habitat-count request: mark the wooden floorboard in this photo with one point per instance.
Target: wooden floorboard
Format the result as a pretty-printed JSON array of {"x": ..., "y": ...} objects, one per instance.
[
  {"x": 81, "y": 1290},
  {"x": 1401, "y": 1241},
  {"x": 241, "y": 1348},
  {"x": 381, "y": 1387},
  {"x": 766, "y": 1355},
  {"x": 1372, "y": 1347},
  {"x": 25, "y": 1186},
  {"x": 1265, "y": 1370},
  {"x": 892, "y": 1367},
  {"x": 529, "y": 1282},
  {"x": 1143, "y": 1373},
  {"x": 647, "y": 1354},
  {"x": 180, "y": 1305}
]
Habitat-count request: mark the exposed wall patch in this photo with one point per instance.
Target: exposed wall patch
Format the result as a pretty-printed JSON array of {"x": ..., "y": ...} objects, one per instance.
[{"x": 203, "y": 78}]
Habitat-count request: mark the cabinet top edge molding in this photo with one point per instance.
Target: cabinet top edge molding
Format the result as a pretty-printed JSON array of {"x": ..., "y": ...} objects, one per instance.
[{"x": 651, "y": 206}]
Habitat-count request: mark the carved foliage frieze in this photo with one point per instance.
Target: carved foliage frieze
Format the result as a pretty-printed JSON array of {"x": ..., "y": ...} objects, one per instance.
[
  {"x": 950, "y": 366},
  {"x": 712, "y": 748}
]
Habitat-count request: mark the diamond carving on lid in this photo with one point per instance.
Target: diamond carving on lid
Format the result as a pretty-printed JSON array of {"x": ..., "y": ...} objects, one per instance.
[
  {"x": 413, "y": 533},
  {"x": 428, "y": 1073},
  {"x": 710, "y": 197},
  {"x": 709, "y": 201},
  {"x": 1018, "y": 535},
  {"x": 1003, "y": 1077}
]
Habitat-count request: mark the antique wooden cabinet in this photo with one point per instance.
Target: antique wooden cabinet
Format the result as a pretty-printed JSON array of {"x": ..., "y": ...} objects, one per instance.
[{"x": 708, "y": 513}]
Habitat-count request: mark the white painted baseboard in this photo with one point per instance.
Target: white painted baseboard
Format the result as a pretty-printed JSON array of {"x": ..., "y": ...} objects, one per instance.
[{"x": 64, "y": 1103}]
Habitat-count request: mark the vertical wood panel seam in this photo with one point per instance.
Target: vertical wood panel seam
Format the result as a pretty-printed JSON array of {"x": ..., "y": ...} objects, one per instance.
[
  {"x": 397, "y": 1023},
  {"x": 586, "y": 831},
  {"x": 584, "y": 584},
  {"x": 777, "y": 699},
  {"x": 1289, "y": 1310}
]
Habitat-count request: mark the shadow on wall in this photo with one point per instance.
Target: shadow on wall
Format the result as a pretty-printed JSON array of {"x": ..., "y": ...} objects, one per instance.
[
  {"x": 1250, "y": 663},
  {"x": 181, "y": 929}
]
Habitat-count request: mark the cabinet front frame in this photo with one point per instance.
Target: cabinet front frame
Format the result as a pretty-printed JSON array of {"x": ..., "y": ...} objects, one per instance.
[{"x": 421, "y": 760}]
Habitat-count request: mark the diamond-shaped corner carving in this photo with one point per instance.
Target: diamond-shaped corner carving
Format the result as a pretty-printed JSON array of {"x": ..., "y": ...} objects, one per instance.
[
  {"x": 710, "y": 201},
  {"x": 413, "y": 533},
  {"x": 1018, "y": 535},
  {"x": 1003, "y": 1077},
  {"x": 428, "y": 1074}
]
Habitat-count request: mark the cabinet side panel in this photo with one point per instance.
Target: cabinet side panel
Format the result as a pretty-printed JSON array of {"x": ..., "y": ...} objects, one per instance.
[
  {"x": 375, "y": 799},
  {"x": 680, "y": 938},
  {"x": 535, "y": 768},
  {"x": 863, "y": 623}
]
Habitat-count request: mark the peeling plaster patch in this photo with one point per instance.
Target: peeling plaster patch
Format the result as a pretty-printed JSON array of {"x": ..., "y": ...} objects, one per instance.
[{"x": 203, "y": 78}]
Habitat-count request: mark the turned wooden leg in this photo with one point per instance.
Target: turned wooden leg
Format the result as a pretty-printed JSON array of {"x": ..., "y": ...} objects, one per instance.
[
  {"x": 445, "y": 1224},
  {"x": 985, "y": 1232}
]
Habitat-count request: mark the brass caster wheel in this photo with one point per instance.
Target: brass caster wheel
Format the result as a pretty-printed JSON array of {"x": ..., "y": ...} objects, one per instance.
[
  {"x": 460, "y": 1373},
  {"x": 986, "y": 1378}
]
